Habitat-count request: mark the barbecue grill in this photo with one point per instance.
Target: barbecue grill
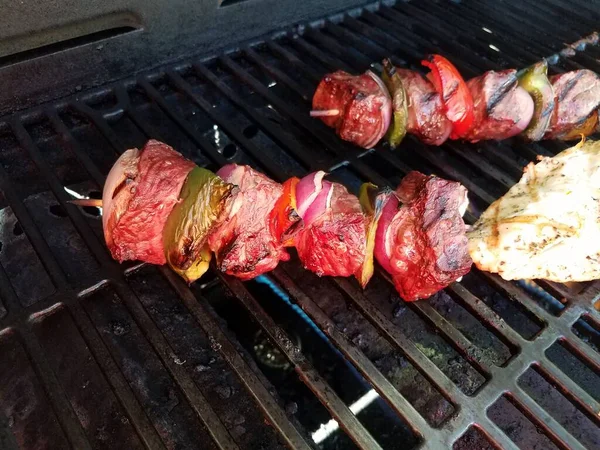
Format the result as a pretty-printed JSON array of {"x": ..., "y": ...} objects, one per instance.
[{"x": 94, "y": 354}]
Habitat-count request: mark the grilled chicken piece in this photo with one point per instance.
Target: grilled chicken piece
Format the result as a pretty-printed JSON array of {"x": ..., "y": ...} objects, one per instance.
[
  {"x": 426, "y": 117},
  {"x": 577, "y": 97},
  {"x": 548, "y": 225},
  {"x": 502, "y": 108}
]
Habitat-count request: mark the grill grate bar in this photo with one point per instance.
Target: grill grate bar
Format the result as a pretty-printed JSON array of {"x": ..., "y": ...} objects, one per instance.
[
  {"x": 396, "y": 337},
  {"x": 197, "y": 400},
  {"x": 200, "y": 141},
  {"x": 277, "y": 136},
  {"x": 100, "y": 124},
  {"x": 360, "y": 360},
  {"x": 139, "y": 419},
  {"x": 542, "y": 419},
  {"x": 266, "y": 402},
  {"x": 367, "y": 48},
  {"x": 489, "y": 317},
  {"x": 316, "y": 52},
  {"x": 70, "y": 142},
  {"x": 517, "y": 293},
  {"x": 494, "y": 433},
  {"x": 320, "y": 40},
  {"x": 7, "y": 439},
  {"x": 64, "y": 412},
  {"x": 409, "y": 51},
  {"x": 457, "y": 339},
  {"x": 257, "y": 389},
  {"x": 278, "y": 74},
  {"x": 136, "y": 414},
  {"x": 284, "y": 53},
  {"x": 581, "y": 349},
  {"x": 115, "y": 377},
  {"x": 156, "y": 339},
  {"x": 346, "y": 419},
  {"x": 577, "y": 395}
]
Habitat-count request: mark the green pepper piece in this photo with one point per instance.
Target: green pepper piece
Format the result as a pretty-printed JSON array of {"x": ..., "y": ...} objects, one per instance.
[
  {"x": 397, "y": 129},
  {"x": 534, "y": 79},
  {"x": 372, "y": 201},
  {"x": 202, "y": 199}
]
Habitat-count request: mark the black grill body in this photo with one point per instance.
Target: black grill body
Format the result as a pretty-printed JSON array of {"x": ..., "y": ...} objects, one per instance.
[{"x": 94, "y": 354}]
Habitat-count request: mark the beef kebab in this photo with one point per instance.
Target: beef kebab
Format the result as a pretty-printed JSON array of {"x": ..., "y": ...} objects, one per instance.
[
  {"x": 160, "y": 208},
  {"x": 494, "y": 106}
]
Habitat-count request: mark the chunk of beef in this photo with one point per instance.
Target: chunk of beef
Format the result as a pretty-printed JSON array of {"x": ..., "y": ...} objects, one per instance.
[
  {"x": 138, "y": 234},
  {"x": 244, "y": 244},
  {"x": 502, "y": 109}
]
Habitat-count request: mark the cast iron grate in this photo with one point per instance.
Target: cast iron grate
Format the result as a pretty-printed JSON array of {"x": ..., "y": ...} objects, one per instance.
[{"x": 97, "y": 355}]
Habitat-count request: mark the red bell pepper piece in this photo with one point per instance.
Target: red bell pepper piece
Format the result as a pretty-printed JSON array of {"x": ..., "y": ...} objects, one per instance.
[
  {"x": 455, "y": 94},
  {"x": 283, "y": 215}
]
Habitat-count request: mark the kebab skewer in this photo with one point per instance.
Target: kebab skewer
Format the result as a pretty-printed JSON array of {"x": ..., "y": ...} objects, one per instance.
[
  {"x": 159, "y": 208},
  {"x": 442, "y": 105}
]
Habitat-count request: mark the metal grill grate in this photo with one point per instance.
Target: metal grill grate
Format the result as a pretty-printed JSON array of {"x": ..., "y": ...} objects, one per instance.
[{"x": 95, "y": 355}]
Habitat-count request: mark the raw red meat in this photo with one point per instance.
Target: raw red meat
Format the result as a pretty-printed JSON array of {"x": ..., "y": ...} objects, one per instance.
[
  {"x": 427, "y": 243},
  {"x": 244, "y": 244},
  {"x": 334, "y": 243},
  {"x": 502, "y": 109},
  {"x": 364, "y": 107},
  {"x": 426, "y": 117},
  {"x": 138, "y": 233}
]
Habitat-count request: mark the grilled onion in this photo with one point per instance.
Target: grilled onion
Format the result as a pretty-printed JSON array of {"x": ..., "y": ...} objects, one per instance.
[{"x": 118, "y": 190}]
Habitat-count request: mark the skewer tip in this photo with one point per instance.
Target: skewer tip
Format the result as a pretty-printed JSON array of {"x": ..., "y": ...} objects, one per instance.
[
  {"x": 325, "y": 113},
  {"x": 96, "y": 202}
]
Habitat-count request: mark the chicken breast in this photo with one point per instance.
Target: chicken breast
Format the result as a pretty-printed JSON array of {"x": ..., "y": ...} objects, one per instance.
[{"x": 548, "y": 225}]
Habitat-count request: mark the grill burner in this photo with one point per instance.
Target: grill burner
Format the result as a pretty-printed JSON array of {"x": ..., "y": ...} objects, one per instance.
[{"x": 95, "y": 355}]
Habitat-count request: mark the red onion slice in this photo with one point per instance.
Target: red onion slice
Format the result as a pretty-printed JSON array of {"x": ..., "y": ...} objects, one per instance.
[
  {"x": 321, "y": 204},
  {"x": 383, "y": 250},
  {"x": 231, "y": 173},
  {"x": 386, "y": 111},
  {"x": 127, "y": 163},
  {"x": 307, "y": 190}
]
